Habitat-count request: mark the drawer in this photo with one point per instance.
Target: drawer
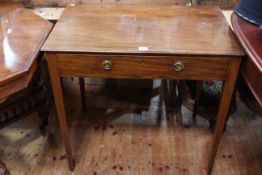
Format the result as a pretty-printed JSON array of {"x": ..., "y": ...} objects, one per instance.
[{"x": 142, "y": 67}]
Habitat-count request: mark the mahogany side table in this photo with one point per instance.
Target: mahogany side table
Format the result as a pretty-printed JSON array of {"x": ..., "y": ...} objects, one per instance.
[{"x": 143, "y": 42}]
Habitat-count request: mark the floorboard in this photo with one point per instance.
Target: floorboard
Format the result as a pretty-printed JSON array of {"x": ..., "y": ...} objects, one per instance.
[{"x": 128, "y": 131}]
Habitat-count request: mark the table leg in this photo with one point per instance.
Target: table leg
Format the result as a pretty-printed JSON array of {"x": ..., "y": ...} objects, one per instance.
[
  {"x": 173, "y": 95},
  {"x": 82, "y": 92},
  {"x": 225, "y": 100},
  {"x": 59, "y": 102},
  {"x": 197, "y": 98}
]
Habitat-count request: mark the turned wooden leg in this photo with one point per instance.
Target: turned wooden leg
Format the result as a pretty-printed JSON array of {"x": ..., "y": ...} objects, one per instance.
[
  {"x": 225, "y": 100},
  {"x": 197, "y": 98},
  {"x": 59, "y": 102},
  {"x": 82, "y": 91},
  {"x": 42, "y": 96}
]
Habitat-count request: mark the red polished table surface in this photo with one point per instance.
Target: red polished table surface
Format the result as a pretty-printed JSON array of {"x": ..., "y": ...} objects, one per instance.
[
  {"x": 21, "y": 35},
  {"x": 250, "y": 37}
]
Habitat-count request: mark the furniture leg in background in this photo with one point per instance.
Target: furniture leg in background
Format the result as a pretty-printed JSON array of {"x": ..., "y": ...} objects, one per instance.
[
  {"x": 82, "y": 92},
  {"x": 176, "y": 96},
  {"x": 197, "y": 98}
]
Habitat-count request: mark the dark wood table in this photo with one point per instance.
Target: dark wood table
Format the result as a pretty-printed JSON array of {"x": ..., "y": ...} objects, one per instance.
[
  {"x": 143, "y": 42},
  {"x": 250, "y": 37},
  {"x": 22, "y": 34}
]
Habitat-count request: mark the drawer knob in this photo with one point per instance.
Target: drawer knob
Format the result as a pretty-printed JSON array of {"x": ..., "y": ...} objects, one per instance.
[
  {"x": 179, "y": 66},
  {"x": 107, "y": 65}
]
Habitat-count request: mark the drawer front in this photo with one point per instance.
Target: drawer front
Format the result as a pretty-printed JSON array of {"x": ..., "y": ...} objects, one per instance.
[{"x": 143, "y": 67}]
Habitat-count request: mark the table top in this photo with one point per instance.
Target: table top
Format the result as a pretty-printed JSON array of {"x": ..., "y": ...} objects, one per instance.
[
  {"x": 21, "y": 35},
  {"x": 54, "y": 13},
  {"x": 250, "y": 37},
  {"x": 133, "y": 29}
]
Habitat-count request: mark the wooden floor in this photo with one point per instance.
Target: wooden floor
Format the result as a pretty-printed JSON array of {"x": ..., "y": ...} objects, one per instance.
[{"x": 129, "y": 131}]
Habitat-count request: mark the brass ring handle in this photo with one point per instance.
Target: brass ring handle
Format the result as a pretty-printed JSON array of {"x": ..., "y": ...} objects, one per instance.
[
  {"x": 179, "y": 66},
  {"x": 107, "y": 65}
]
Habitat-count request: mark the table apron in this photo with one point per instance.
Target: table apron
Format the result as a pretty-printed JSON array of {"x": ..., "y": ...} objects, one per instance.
[{"x": 143, "y": 67}]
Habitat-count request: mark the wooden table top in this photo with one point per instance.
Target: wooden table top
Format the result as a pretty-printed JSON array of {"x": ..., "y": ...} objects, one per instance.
[
  {"x": 250, "y": 37},
  {"x": 21, "y": 35},
  {"x": 143, "y": 30}
]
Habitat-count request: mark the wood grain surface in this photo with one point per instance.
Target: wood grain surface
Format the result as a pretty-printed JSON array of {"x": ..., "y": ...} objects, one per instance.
[
  {"x": 142, "y": 67},
  {"x": 250, "y": 37},
  {"x": 158, "y": 29},
  {"x": 22, "y": 33},
  {"x": 134, "y": 42},
  {"x": 63, "y": 3},
  {"x": 120, "y": 135}
]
